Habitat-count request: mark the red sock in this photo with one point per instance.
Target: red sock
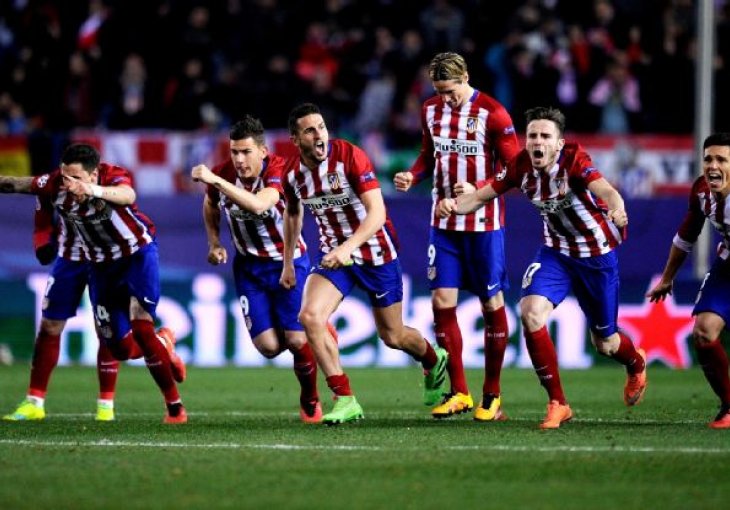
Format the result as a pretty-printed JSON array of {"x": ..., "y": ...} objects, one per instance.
[
  {"x": 428, "y": 359},
  {"x": 448, "y": 336},
  {"x": 107, "y": 369},
  {"x": 496, "y": 335},
  {"x": 156, "y": 357},
  {"x": 627, "y": 355},
  {"x": 340, "y": 385},
  {"x": 126, "y": 348},
  {"x": 45, "y": 359},
  {"x": 305, "y": 368},
  {"x": 545, "y": 360},
  {"x": 714, "y": 362}
]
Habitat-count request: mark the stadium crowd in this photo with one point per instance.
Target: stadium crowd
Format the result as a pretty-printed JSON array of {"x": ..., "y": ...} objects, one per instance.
[{"x": 614, "y": 66}]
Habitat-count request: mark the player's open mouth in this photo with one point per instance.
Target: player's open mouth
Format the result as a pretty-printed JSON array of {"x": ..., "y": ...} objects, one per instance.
[
  {"x": 714, "y": 178},
  {"x": 538, "y": 153},
  {"x": 320, "y": 148}
]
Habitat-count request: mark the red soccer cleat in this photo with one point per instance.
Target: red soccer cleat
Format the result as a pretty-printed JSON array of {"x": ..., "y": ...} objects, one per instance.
[
  {"x": 168, "y": 339},
  {"x": 722, "y": 420},
  {"x": 180, "y": 417},
  {"x": 311, "y": 412}
]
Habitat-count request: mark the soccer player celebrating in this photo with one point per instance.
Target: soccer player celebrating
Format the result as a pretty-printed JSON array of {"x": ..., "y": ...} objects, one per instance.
[
  {"x": 583, "y": 216},
  {"x": 247, "y": 188},
  {"x": 335, "y": 179},
  {"x": 96, "y": 205},
  {"x": 708, "y": 200},
  {"x": 466, "y": 134},
  {"x": 64, "y": 290}
]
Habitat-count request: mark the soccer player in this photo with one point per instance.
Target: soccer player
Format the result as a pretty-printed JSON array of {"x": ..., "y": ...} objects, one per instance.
[
  {"x": 64, "y": 290},
  {"x": 707, "y": 200},
  {"x": 583, "y": 217},
  {"x": 96, "y": 205},
  {"x": 466, "y": 135},
  {"x": 247, "y": 188},
  {"x": 336, "y": 180}
]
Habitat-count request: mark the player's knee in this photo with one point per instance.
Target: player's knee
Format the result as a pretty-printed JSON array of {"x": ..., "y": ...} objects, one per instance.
[
  {"x": 310, "y": 317},
  {"x": 532, "y": 318},
  {"x": 703, "y": 336},
  {"x": 52, "y": 327}
]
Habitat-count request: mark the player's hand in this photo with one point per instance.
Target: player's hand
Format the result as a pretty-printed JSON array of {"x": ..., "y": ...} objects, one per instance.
[
  {"x": 337, "y": 258},
  {"x": 46, "y": 253},
  {"x": 403, "y": 181},
  {"x": 201, "y": 173},
  {"x": 217, "y": 255},
  {"x": 461, "y": 188},
  {"x": 660, "y": 291},
  {"x": 446, "y": 207},
  {"x": 80, "y": 190},
  {"x": 288, "y": 278},
  {"x": 619, "y": 217}
]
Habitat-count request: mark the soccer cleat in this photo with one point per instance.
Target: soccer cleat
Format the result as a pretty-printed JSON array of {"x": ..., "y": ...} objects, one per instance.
[
  {"x": 104, "y": 412},
  {"x": 311, "y": 412},
  {"x": 168, "y": 339},
  {"x": 453, "y": 403},
  {"x": 635, "y": 384},
  {"x": 180, "y": 415},
  {"x": 490, "y": 409},
  {"x": 434, "y": 379},
  {"x": 557, "y": 413},
  {"x": 346, "y": 409},
  {"x": 26, "y": 411},
  {"x": 722, "y": 420}
]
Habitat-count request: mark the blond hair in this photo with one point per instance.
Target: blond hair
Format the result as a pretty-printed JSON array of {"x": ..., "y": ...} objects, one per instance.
[{"x": 447, "y": 66}]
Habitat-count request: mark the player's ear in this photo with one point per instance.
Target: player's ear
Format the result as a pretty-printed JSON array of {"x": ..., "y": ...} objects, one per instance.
[
  {"x": 94, "y": 175},
  {"x": 561, "y": 143}
]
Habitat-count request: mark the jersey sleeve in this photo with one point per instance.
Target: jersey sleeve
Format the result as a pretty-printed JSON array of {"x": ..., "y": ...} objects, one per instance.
[
  {"x": 502, "y": 130},
  {"x": 274, "y": 172},
  {"x": 117, "y": 176},
  {"x": 46, "y": 185},
  {"x": 43, "y": 223},
  {"x": 691, "y": 227},
  {"x": 423, "y": 166},
  {"x": 582, "y": 169},
  {"x": 508, "y": 178},
  {"x": 360, "y": 172}
]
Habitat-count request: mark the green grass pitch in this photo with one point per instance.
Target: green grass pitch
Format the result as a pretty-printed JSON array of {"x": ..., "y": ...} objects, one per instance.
[{"x": 245, "y": 447}]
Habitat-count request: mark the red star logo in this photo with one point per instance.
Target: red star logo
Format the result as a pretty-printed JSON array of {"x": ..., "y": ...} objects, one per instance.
[{"x": 661, "y": 329}]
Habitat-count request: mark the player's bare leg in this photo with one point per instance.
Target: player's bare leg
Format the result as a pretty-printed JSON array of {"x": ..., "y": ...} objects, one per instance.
[{"x": 714, "y": 362}]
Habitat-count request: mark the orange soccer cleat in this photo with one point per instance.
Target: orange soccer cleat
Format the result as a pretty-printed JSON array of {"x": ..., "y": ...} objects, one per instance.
[
  {"x": 168, "y": 339},
  {"x": 635, "y": 384},
  {"x": 557, "y": 413},
  {"x": 722, "y": 420},
  {"x": 175, "y": 415},
  {"x": 311, "y": 412}
]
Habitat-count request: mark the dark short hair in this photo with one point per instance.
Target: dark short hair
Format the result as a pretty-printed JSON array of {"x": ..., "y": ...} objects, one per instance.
[
  {"x": 300, "y": 111},
  {"x": 248, "y": 127},
  {"x": 716, "y": 139},
  {"x": 547, "y": 113},
  {"x": 81, "y": 153}
]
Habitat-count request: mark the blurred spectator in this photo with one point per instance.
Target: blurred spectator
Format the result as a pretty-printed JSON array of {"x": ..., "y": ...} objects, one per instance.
[
  {"x": 616, "y": 95},
  {"x": 134, "y": 98},
  {"x": 442, "y": 26}
]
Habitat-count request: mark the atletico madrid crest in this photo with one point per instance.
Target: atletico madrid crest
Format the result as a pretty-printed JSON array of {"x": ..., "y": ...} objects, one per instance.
[
  {"x": 472, "y": 124},
  {"x": 431, "y": 274},
  {"x": 334, "y": 181}
]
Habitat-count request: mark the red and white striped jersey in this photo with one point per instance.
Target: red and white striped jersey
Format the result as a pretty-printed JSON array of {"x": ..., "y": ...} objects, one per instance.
[
  {"x": 96, "y": 230},
  {"x": 575, "y": 222},
  {"x": 260, "y": 235},
  {"x": 705, "y": 204},
  {"x": 468, "y": 144},
  {"x": 333, "y": 192}
]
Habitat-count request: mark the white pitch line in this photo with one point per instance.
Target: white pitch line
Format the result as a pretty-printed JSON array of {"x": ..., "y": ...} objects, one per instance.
[{"x": 364, "y": 448}]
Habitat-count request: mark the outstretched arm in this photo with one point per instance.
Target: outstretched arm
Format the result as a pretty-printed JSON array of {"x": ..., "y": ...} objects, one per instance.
[
  {"x": 10, "y": 184},
  {"x": 293, "y": 222},
  {"x": 666, "y": 283},
  {"x": 466, "y": 202},
  {"x": 255, "y": 203}
]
